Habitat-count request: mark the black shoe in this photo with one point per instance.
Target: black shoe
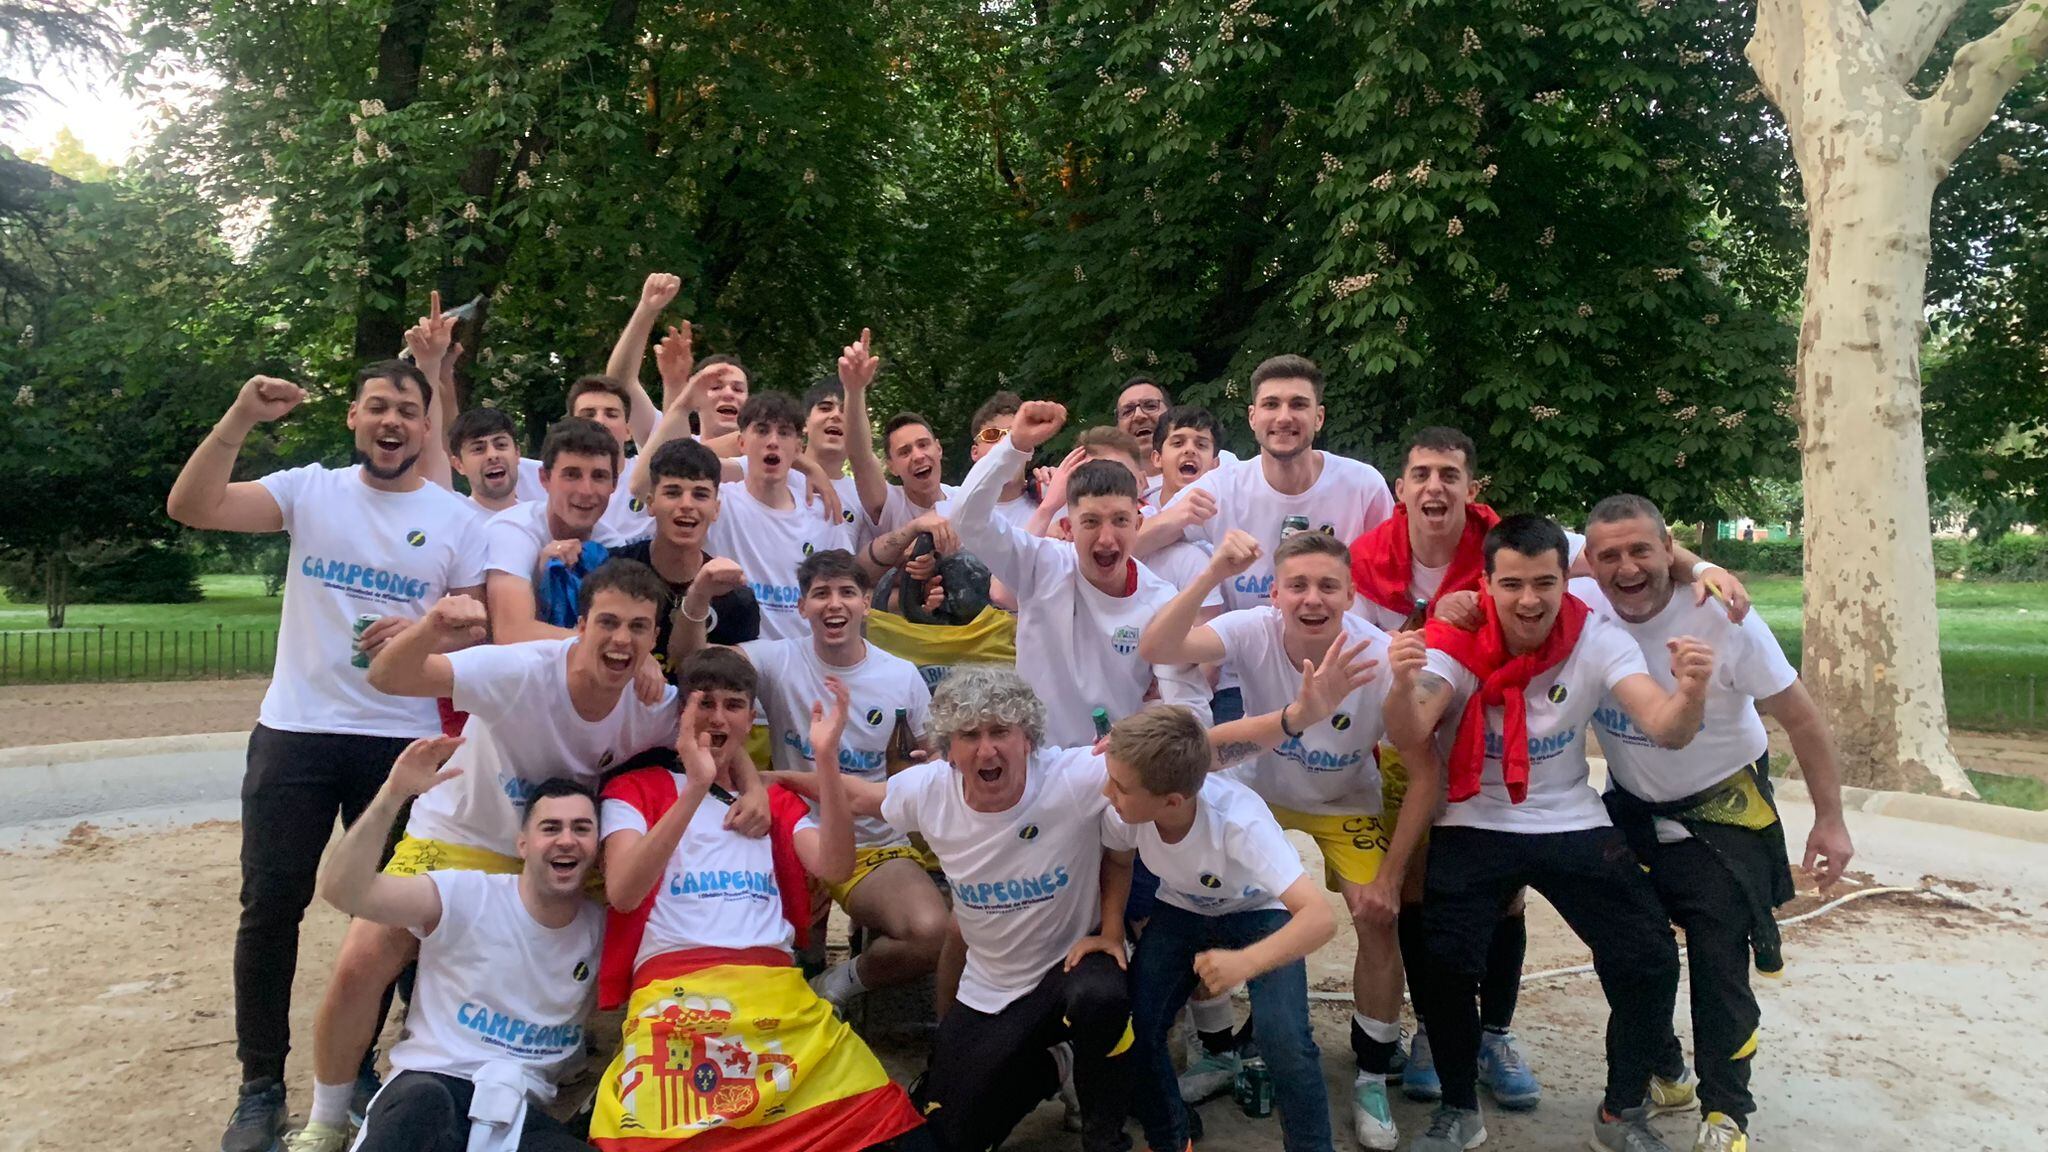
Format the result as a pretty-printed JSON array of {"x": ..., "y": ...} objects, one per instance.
[
  {"x": 367, "y": 1084},
  {"x": 258, "y": 1121}
]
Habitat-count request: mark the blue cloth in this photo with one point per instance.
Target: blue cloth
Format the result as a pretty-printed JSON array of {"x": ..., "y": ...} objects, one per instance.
[
  {"x": 1226, "y": 706},
  {"x": 561, "y": 583},
  {"x": 1162, "y": 979}
]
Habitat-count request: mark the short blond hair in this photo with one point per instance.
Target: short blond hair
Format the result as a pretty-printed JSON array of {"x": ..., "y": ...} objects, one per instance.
[
  {"x": 1110, "y": 438},
  {"x": 1166, "y": 746}
]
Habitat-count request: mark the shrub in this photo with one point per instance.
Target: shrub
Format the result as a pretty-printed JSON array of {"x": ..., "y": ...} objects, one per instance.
[
  {"x": 151, "y": 574},
  {"x": 2009, "y": 557},
  {"x": 1757, "y": 557}
]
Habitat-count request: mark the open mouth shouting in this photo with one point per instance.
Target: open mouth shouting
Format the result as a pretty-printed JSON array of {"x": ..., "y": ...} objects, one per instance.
[
  {"x": 1189, "y": 469},
  {"x": 771, "y": 460},
  {"x": 494, "y": 474},
  {"x": 1107, "y": 557},
  {"x": 923, "y": 470},
  {"x": 728, "y": 413},
  {"x": 685, "y": 522},
  {"x": 1312, "y": 619},
  {"x": 834, "y": 625},
  {"x": 564, "y": 865},
  {"x": 393, "y": 442},
  {"x": 618, "y": 661},
  {"x": 1436, "y": 511}
]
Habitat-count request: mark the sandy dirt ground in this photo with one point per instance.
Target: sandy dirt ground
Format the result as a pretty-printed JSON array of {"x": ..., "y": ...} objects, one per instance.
[{"x": 115, "y": 1003}]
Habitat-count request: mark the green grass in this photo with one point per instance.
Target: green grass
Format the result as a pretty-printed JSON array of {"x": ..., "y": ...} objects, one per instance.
[
  {"x": 1994, "y": 647},
  {"x": 2010, "y": 791},
  {"x": 231, "y": 601},
  {"x": 232, "y": 632}
]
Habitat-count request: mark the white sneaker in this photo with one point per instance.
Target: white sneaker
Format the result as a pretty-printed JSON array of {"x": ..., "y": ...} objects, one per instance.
[
  {"x": 318, "y": 1137},
  {"x": 1209, "y": 1076},
  {"x": 1070, "y": 1100},
  {"x": 1372, "y": 1118}
]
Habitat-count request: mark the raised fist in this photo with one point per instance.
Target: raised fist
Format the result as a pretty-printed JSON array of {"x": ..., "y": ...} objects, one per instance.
[
  {"x": 717, "y": 577},
  {"x": 1037, "y": 421},
  {"x": 266, "y": 398},
  {"x": 1238, "y": 552},
  {"x": 660, "y": 290},
  {"x": 458, "y": 616}
]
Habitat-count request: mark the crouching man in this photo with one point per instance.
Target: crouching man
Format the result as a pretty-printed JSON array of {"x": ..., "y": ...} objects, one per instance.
[{"x": 507, "y": 969}]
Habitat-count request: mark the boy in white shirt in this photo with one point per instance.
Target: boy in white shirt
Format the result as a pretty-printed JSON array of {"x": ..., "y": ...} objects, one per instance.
[
  {"x": 720, "y": 1030},
  {"x": 889, "y": 890},
  {"x": 1234, "y": 908},
  {"x": 763, "y": 525},
  {"x": 375, "y": 540},
  {"x": 507, "y": 968},
  {"x": 536, "y": 711},
  {"x": 1289, "y": 486},
  {"x": 1522, "y": 813},
  {"x": 579, "y": 471},
  {"x": 1324, "y": 779},
  {"x": 1081, "y": 605},
  {"x": 1702, "y": 818}
]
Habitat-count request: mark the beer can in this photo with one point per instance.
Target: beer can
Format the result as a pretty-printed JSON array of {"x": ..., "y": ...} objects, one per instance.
[
  {"x": 358, "y": 657},
  {"x": 1254, "y": 1088},
  {"x": 1293, "y": 525}
]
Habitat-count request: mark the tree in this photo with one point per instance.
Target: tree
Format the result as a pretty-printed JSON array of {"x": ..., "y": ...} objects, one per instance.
[{"x": 1870, "y": 155}]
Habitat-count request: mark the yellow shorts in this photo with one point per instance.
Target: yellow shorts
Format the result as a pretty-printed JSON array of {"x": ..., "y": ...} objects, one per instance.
[
  {"x": 415, "y": 856},
  {"x": 1352, "y": 843},
  {"x": 1393, "y": 782},
  {"x": 761, "y": 747},
  {"x": 866, "y": 860}
]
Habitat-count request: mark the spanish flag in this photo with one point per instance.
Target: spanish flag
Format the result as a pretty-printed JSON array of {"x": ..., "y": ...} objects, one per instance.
[{"x": 730, "y": 1051}]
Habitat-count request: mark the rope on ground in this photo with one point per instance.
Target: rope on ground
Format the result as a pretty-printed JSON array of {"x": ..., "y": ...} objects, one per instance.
[{"x": 1319, "y": 996}]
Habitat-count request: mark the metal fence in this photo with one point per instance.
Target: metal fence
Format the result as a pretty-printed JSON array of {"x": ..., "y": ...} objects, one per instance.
[
  {"x": 77, "y": 655},
  {"x": 1998, "y": 703}
]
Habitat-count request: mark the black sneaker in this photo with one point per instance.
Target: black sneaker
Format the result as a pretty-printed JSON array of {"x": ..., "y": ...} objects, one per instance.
[{"x": 258, "y": 1120}]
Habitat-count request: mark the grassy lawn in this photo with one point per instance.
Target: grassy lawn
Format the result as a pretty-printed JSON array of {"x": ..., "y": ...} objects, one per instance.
[
  {"x": 232, "y": 632},
  {"x": 1994, "y": 647}
]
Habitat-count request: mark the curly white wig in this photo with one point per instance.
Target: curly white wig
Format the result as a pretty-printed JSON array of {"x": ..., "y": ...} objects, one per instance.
[{"x": 972, "y": 695}]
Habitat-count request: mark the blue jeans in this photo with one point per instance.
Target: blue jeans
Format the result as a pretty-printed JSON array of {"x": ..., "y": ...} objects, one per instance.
[{"x": 1162, "y": 979}]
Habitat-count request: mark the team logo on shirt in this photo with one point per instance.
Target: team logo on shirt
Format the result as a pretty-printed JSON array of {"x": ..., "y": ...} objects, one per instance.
[
  {"x": 807, "y": 548},
  {"x": 847, "y": 515},
  {"x": 1327, "y": 529},
  {"x": 1028, "y": 832},
  {"x": 636, "y": 505},
  {"x": 1124, "y": 640},
  {"x": 416, "y": 538},
  {"x": 581, "y": 972},
  {"x": 1340, "y": 721},
  {"x": 1556, "y": 693},
  {"x": 874, "y": 714},
  {"x": 1210, "y": 880}
]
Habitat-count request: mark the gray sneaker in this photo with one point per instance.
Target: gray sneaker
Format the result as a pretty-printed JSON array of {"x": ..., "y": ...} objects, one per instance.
[
  {"x": 1629, "y": 1132},
  {"x": 1451, "y": 1130}
]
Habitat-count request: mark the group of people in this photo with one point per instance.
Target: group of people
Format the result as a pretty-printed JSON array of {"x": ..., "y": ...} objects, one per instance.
[{"x": 609, "y": 731}]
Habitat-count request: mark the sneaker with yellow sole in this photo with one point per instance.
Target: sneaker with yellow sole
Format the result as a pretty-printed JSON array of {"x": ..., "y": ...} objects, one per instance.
[
  {"x": 318, "y": 1137},
  {"x": 1668, "y": 1096},
  {"x": 1720, "y": 1133}
]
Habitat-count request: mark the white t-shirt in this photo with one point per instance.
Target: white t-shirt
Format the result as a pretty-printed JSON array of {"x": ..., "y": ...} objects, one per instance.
[
  {"x": 1027, "y": 882},
  {"x": 1560, "y": 702},
  {"x": 897, "y": 510},
  {"x": 1234, "y": 859},
  {"x": 514, "y": 538},
  {"x": 358, "y": 551},
  {"x": 1017, "y": 513},
  {"x": 718, "y": 888},
  {"x": 1076, "y": 647},
  {"x": 1329, "y": 768},
  {"x": 768, "y": 544},
  {"x": 1748, "y": 666},
  {"x": 1349, "y": 498},
  {"x": 792, "y": 678},
  {"x": 625, "y": 519},
  {"x": 1156, "y": 483},
  {"x": 496, "y": 985},
  {"x": 523, "y": 730}
]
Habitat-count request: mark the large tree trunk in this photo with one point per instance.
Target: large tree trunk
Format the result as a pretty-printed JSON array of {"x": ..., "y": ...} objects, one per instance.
[{"x": 1872, "y": 642}]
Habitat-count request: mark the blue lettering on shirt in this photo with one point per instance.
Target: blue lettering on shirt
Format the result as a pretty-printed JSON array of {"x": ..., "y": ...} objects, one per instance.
[
  {"x": 1616, "y": 722},
  {"x": 722, "y": 882},
  {"x": 850, "y": 759},
  {"x": 522, "y": 1037},
  {"x": 781, "y": 597},
  {"x": 1540, "y": 747},
  {"x": 1252, "y": 585},
  {"x": 365, "y": 578},
  {"x": 1011, "y": 895},
  {"x": 1317, "y": 760}
]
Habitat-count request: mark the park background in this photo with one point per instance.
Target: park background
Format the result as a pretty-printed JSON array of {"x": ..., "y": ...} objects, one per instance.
[{"x": 1572, "y": 228}]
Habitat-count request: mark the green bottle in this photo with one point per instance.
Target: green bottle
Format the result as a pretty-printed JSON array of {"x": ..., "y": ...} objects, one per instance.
[{"x": 1101, "y": 717}]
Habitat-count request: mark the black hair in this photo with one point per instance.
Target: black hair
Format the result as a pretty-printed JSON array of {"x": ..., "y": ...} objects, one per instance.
[
  {"x": 555, "y": 786},
  {"x": 1188, "y": 416},
  {"x": 399, "y": 372},
  {"x": 1530, "y": 535},
  {"x": 684, "y": 459},
  {"x": 578, "y": 437},
  {"x": 1003, "y": 403},
  {"x": 584, "y": 385},
  {"x": 832, "y": 563},
  {"x": 479, "y": 424},
  {"x": 716, "y": 669},
  {"x": 713, "y": 361},
  {"x": 1288, "y": 367},
  {"x": 618, "y": 574},
  {"x": 1143, "y": 378},
  {"x": 826, "y": 388},
  {"x": 1440, "y": 439},
  {"x": 1101, "y": 478},
  {"x": 775, "y": 409}
]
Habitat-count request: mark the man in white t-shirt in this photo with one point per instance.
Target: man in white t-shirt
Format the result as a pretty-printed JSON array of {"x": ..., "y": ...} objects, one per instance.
[
  {"x": 1702, "y": 818},
  {"x": 1519, "y": 692},
  {"x": 706, "y": 919},
  {"x": 484, "y": 445},
  {"x": 890, "y": 892},
  {"x": 828, "y": 420},
  {"x": 763, "y": 525},
  {"x": 1234, "y": 908},
  {"x": 1016, "y": 825},
  {"x": 615, "y": 407},
  {"x": 536, "y": 711},
  {"x": 989, "y": 424},
  {"x": 1081, "y": 605},
  {"x": 580, "y": 470},
  {"x": 372, "y": 546},
  {"x": 915, "y": 457},
  {"x": 1323, "y": 780},
  {"x": 507, "y": 968},
  {"x": 1289, "y": 486}
]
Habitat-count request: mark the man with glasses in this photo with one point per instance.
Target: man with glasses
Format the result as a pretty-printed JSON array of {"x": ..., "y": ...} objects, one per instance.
[{"x": 1138, "y": 409}]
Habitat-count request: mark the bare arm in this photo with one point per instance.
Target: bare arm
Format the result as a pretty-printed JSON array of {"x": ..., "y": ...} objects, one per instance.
[
  {"x": 1173, "y": 636},
  {"x": 863, "y": 797},
  {"x": 1828, "y": 848},
  {"x": 203, "y": 496},
  {"x": 514, "y": 611},
  {"x": 1309, "y": 926},
  {"x": 634, "y": 861},
  {"x": 411, "y": 663},
  {"x": 857, "y": 368},
  {"x": 350, "y": 880},
  {"x": 831, "y": 857},
  {"x": 624, "y": 365}
]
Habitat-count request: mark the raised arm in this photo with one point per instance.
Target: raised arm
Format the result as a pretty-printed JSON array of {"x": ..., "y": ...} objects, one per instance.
[
  {"x": 1671, "y": 719},
  {"x": 1009, "y": 553},
  {"x": 657, "y": 293},
  {"x": 1176, "y": 635},
  {"x": 350, "y": 880},
  {"x": 203, "y": 496},
  {"x": 857, "y": 368},
  {"x": 1828, "y": 849},
  {"x": 515, "y": 612},
  {"x": 674, "y": 358},
  {"x": 412, "y": 664},
  {"x": 1416, "y": 697},
  {"x": 1194, "y": 505},
  {"x": 829, "y": 854},
  {"x": 633, "y": 861},
  {"x": 434, "y": 351},
  {"x": 863, "y": 797}
]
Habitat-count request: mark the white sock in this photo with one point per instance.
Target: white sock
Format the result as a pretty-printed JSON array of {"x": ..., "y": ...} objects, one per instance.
[
  {"x": 841, "y": 982},
  {"x": 330, "y": 1103},
  {"x": 1213, "y": 1015},
  {"x": 1365, "y": 1077},
  {"x": 1385, "y": 1032}
]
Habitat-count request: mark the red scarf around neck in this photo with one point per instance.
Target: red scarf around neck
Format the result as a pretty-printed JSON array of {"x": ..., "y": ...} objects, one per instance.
[
  {"x": 1383, "y": 560},
  {"x": 1503, "y": 681}
]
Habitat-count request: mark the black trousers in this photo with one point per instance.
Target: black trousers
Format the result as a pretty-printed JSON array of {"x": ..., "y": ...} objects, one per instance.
[
  {"x": 429, "y": 1112},
  {"x": 1593, "y": 881},
  {"x": 989, "y": 1070},
  {"x": 1703, "y": 898},
  {"x": 296, "y": 784}
]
